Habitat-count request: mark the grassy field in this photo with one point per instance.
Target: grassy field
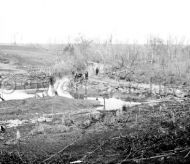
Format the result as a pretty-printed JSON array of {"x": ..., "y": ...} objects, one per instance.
[{"x": 20, "y": 58}]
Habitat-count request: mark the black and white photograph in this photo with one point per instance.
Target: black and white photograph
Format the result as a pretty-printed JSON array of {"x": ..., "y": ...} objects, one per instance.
[{"x": 94, "y": 81}]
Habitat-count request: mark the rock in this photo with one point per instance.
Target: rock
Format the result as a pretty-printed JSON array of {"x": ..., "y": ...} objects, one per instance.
[
  {"x": 14, "y": 123},
  {"x": 2, "y": 138},
  {"x": 74, "y": 162},
  {"x": 68, "y": 122},
  {"x": 38, "y": 130},
  {"x": 60, "y": 129},
  {"x": 96, "y": 116},
  {"x": 49, "y": 119},
  {"x": 42, "y": 119},
  {"x": 85, "y": 124},
  {"x": 2, "y": 130},
  {"x": 11, "y": 142},
  {"x": 18, "y": 135}
]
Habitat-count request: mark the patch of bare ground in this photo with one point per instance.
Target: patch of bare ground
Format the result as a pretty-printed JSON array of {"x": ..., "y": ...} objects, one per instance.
[
  {"x": 73, "y": 133},
  {"x": 149, "y": 135},
  {"x": 61, "y": 130}
]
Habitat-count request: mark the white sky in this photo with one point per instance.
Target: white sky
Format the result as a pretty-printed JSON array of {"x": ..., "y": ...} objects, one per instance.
[{"x": 43, "y": 21}]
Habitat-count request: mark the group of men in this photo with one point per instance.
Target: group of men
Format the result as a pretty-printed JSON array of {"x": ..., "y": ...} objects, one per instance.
[
  {"x": 83, "y": 76},
  {"x": 80, "y": 76}
]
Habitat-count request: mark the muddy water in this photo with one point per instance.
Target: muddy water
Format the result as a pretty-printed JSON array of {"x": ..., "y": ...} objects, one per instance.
[
  {"x": 110, "y": 103},
  {"x": 16, "y": 95},
  {"x": 29, "y": 93},
  {"x": 113, "y": 103},
  {"x": 107, "y": 104}
]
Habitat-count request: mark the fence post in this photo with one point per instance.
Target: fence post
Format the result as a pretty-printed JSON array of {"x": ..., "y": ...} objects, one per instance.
[
  {"x": 86, "y": 89},
  {"x": 104, "y": 103},
  {"x": 151, "y": 85},
  {"x": 76, "y": 91}
]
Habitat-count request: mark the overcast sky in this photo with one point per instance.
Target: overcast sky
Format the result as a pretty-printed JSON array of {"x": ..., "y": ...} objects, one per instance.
[{"x": 44, "y": 21}]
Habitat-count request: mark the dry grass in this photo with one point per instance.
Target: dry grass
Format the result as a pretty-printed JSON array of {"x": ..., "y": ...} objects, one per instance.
[{"x": 156, "y": 57}]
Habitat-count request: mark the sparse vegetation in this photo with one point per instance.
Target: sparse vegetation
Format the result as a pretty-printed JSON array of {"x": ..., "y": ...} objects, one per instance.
[
  {"x": 61, "y": 130},
  {"x": 169, "y": 59}
]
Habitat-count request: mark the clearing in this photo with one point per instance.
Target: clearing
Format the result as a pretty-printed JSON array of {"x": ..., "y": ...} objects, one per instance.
[{"x": 134, "y": 126}]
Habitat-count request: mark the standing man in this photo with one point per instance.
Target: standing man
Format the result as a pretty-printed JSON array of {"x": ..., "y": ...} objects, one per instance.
[
  {"x": 0, "y": 80},
  {"x": 86, "y": 75},
  {"x": 97, "y": 71}
]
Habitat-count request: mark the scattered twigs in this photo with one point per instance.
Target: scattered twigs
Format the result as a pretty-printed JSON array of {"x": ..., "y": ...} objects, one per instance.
[
  {"x": 97, "y": 148},
  {"x": 89, "y": 153},
  {"x": 49, "y": 158},
  {"x": 20, "y": 156},
  {"x": 187, "y": 155},
  {"x": 157, "y": 156},
  {"x": 154, "y": 157},
  {"x": 126, "y": 158}
]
